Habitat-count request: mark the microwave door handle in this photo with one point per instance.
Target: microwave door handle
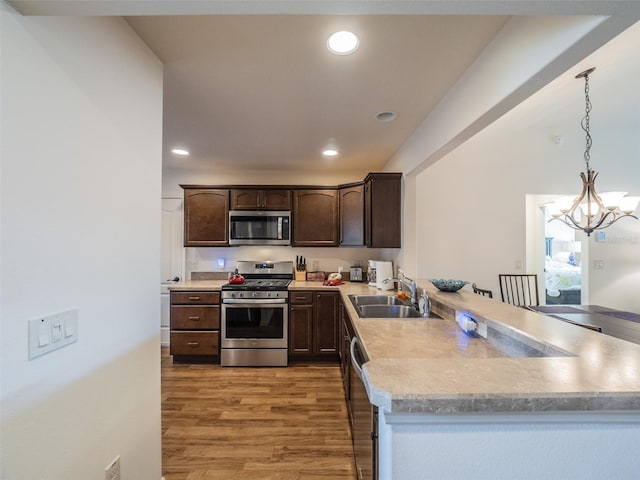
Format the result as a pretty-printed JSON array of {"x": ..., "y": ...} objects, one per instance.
[{"x": 279, "y": 228}]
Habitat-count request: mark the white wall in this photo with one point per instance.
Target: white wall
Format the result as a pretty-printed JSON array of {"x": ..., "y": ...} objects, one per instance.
[
  {"x": 554, "y": 446},
  {"x": 473, "y": 199},
  {"x": 80, "y": 198}
]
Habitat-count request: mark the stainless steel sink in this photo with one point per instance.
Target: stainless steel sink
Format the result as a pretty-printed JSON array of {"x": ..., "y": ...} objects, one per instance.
[
  {"x": 359, "y": 300},
  {"x": 388, "y": 311},
  {"x": 384, "y": 306}
]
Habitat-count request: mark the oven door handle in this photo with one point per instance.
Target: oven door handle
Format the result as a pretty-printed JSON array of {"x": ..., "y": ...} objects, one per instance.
[{"x": 252, "y": 303}]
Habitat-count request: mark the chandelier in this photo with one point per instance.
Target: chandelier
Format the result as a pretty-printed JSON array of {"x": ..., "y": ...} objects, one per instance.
[{"x": 590, "y": 211}]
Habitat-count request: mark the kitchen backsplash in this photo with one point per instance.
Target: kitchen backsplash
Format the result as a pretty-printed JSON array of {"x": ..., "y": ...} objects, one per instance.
[
  {"x": 209, "y": 275},
  {"x": 210, "y": 261}
]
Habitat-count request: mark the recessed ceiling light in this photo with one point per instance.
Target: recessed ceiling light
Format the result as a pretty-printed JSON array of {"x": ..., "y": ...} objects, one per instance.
[
  {"x": 342, "y": 43},
  {"x": 330, "y": 152},
  {"x": 181, "y": 152},
  {"x": 386, "y": 116}
]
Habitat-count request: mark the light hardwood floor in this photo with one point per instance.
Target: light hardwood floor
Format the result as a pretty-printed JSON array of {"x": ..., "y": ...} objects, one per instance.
[{"x": 254, "y": 423}]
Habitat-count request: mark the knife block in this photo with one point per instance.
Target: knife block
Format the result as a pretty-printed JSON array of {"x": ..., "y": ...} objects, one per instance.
[{"x": 301, "y": 276}]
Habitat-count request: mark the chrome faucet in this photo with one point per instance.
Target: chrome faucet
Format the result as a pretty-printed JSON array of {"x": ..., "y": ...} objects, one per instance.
[{"x": 411, "y": 285}]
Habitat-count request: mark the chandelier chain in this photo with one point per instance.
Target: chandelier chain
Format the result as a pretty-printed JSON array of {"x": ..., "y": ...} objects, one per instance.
[{"x": 586, "y": 125}]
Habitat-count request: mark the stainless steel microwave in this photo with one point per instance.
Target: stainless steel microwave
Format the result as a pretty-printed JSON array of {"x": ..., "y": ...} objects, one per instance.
[{"x": 259, "y": 227}]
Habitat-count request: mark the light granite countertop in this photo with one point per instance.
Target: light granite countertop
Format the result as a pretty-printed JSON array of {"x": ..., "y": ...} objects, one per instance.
[
  {"x": 212, "y": 285},
  {"x": 430, "y": 366},
  {"x": 423, "y": 366}
]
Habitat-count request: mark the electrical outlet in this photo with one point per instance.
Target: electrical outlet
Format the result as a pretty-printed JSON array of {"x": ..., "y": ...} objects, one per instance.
[
  {"x": 112, "y": 472},
  {"x": 482, "y": 329},
  {"x": 598, "y": 264}
]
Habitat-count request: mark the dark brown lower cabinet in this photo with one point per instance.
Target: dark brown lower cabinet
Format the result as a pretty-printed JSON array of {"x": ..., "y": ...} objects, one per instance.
[
  {"x": 300, "y": 330},
  {"x": 313, "y": 324},
  {"x": 195, "y": 326}
]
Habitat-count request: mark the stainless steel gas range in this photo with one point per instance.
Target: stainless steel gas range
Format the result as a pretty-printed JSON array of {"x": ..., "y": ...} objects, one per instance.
[{"x": 255, "y": 316}]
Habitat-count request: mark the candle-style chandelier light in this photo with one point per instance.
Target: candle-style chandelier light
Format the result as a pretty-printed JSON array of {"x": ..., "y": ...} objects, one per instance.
[{"x": 592, "y": 211}]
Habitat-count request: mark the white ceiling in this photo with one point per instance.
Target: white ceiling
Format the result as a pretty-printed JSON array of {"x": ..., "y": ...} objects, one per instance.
[
  {"x": 263, "y": 92},
  {"x": 250, "y": 85}
]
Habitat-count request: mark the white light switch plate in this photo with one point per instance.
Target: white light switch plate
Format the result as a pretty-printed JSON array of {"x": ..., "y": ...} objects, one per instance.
[{"x": 51, "y": 332}]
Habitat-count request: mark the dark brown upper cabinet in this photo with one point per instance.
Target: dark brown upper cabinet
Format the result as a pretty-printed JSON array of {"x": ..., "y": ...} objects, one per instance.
[
  {"x": 315, "y": 218},
  {"x": 359, "y": 214},
  {"x": 260, "y": 199},
  {"x": 352, "y": 215},
  {"x": 382, "y": 205},
  {"x": 206, "y": 217}
]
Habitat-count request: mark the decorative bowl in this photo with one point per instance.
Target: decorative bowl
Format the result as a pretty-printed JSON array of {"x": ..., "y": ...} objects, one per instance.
[{"x": 447, "y": 284}]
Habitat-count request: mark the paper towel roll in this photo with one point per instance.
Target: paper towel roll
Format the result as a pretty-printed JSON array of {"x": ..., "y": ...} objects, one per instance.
[{"x": 384, "y": 270}]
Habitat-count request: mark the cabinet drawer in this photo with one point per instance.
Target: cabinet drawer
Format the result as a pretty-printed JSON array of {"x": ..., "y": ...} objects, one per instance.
[
  {"x": 194, "y": 343},
  {"x": 301, "y": 297},
  {"x": 194, "y": 298},
  {"x": 185, "y": 317}
]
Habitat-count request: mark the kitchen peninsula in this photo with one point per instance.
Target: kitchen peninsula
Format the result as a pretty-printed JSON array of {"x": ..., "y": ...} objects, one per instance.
[{"x": 567, "y": 405}]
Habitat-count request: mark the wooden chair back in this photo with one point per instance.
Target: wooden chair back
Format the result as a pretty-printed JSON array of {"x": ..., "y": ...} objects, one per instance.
[
  {"x": 519, "y": 289},
  {"x": 481, "y": 291}
]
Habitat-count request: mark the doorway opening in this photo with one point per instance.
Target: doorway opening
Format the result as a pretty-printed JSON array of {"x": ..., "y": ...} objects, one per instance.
[
  {"x": 563, "y": 263},
  {"x": 557, "y": 253}
]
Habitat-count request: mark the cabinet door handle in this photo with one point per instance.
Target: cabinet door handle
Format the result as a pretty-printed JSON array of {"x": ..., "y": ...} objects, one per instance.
[
  {"x": 194, "y": 318},
  {"x": 194, "y": 298},
  {"x": 193, "y": 344}
]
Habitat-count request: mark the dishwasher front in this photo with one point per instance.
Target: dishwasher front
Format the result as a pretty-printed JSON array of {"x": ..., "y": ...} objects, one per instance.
[{"x": 365, "y": 419}]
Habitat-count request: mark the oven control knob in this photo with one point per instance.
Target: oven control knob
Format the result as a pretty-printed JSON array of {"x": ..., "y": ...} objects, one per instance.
[{"x": 254, "y": 294}]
